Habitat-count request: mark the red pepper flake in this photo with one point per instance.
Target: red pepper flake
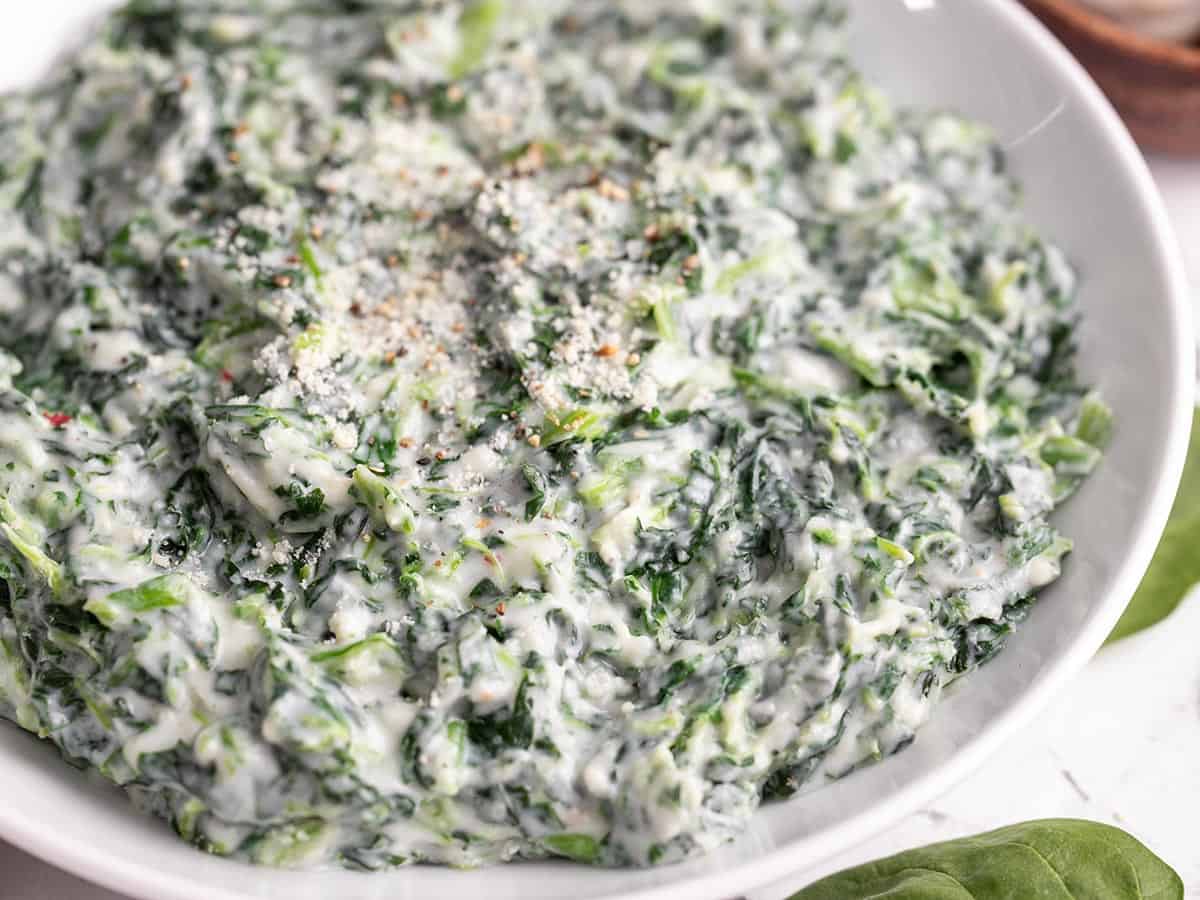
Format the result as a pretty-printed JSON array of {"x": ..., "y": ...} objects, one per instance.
[
  {"x": 226, "y": 375},
  {"x": 57, "y": 420},
  {"x": 500, "y": 608}
]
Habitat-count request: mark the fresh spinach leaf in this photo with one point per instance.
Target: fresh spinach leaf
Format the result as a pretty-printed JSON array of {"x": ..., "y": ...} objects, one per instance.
[
  {"x": 1049, "y": 859},
  {"x": 1175, "y": 568}
]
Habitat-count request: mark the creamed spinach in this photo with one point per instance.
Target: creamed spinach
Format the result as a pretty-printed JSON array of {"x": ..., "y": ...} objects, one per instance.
[{"x": 462, "y": 431}]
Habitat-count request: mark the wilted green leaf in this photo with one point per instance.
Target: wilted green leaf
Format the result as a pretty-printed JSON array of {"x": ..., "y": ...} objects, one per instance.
[{"x": 579, "y": 847}]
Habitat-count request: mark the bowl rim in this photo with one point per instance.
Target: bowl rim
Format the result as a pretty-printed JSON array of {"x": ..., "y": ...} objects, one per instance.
[
  {"x": 1102, "y": 30},
  {"x": 142, "y": 879}
]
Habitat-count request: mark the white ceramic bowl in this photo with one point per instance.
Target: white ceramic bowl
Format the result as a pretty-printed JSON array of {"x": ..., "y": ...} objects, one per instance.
[{"x": 1085, "y": 185}]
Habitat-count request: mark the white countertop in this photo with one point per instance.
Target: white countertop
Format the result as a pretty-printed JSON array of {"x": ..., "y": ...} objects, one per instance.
[{"x": 1120, "y": 745}]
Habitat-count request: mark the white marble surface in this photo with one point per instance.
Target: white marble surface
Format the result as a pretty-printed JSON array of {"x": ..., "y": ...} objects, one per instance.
[{"x": 1119, "y": 746}]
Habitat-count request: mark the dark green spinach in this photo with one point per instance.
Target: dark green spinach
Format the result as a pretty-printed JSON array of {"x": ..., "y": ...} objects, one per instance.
[{"x": 1049, "y": 859}]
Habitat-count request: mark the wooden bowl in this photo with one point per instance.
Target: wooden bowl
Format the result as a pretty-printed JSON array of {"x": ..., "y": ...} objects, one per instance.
[{"x": 1155, "y": 85}]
